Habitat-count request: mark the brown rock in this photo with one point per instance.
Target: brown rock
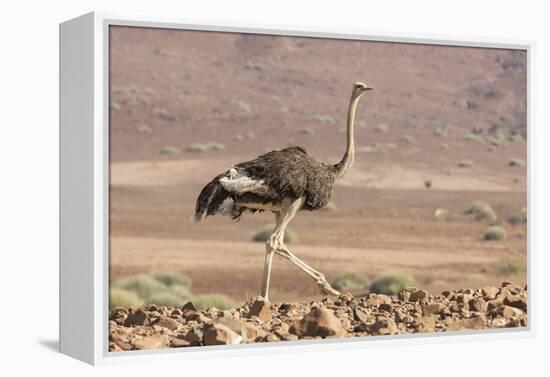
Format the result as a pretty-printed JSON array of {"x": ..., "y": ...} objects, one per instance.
[
  {"x": 378, "y": 299},
  {"x": 431, "y": 309},
  {"x": 318, "y": 322},
  {"x": 166, "y": 322},
  {"x": 151, "y": 342},
  {"x": 137, "y": 318},
  {"x": 477, "y": 305},
  {"x": 493, "y": 304},
  {"x": 261, "y": 309},
  {"x": 386, "y": 308},
  {"x": 360, "y": 315},
  {"x": 518, "y": 302},
  {"x": 194, "y": 336},
  {"x": 508, "y": 312},
  {"x": 383, "y": 326},
  {"x": 178, "y": 342},
  {"x": 474, "y": 323},
  {"x": 189, "y": 306},
  {"x": 425, "y": 324},
  {"x": 218, "y": 334},
  {"x": 489, "y": 293},
  {"x": 418, "y": 295}
]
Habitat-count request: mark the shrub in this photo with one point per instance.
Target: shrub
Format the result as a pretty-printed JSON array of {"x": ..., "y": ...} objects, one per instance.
[
  {"x": 516, "y": 162},
  {"x": 143, "y": 285},
  {"x": 465, "y": 164},
  {"x": 244, "y": 107},
  {"x": 170, "y": 150},
  {"x": 213, "y": 300},
  {"x": 324, "y": 119},
  {"x": 519, "y": 218},
  {"x": 122, "y": 297},
  {"x": 238, "y": 137},
  {"x": 214, "y": 146},
  {"x": 508, "y": 265},
  {"x": 197, "y": 148},
  {"x": 263, "y": 235},
  {"x": 350, "y": 281},
  {"x": 144, "y": 130},
  {"x": 307, "y": 131},
  {"x": 330, "y": 207},
  {"x": 382, "y": 128},
  {"x": 408, "y": 139},
  {"x": 495, "y": 233},
  {"x": 440, "y": 132},
  {"x": 428, "y": 183},
  {"x": 391, "y": 283},
  {"x": 172, "y": 279},
  {"x": 278, "y": 295},
  {"x": 168, "y": 299},
  {"x": 473, "y": 137},
  {"x": 482, "y": 211}
]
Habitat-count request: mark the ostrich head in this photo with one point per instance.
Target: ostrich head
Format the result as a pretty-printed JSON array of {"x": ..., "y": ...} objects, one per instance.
[{"x": 359, "y": 89}]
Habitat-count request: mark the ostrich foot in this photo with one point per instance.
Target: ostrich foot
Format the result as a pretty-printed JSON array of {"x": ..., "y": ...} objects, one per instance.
[{"x": 325, "y": 287}]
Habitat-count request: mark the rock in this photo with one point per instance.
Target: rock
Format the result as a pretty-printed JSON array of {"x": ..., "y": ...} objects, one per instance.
[
  {"x": 345, "y": 297},
  {"x": 508, "y": 312},
  {"x": 261, "y": 309},
  {"x": 378, "y": 299},
  {"x": 383, "y": 326},
  {"x": 474, "y": 323},
  {"x": 431, "y": 309},
  {"x": 418, "y": 295},
  {"x": 477, "y": 305},
  {"x": 360, "y": 315},
  {"x": 516, "y": 302},
  {"x": 166, "y": 322},
  {"x": 386, "y": 308},
  {"x": 151, "y": 342},
  {"x": 271, "y": 338},
  {"x": 489, "y": 293},
  {"x": 318, "y": 322},
  {"x": 189, "y": 306},
  {"x": 493, "y": 304},
  {"x": 425, "y": 324},
  {"x": 137, "y": 318},
  {"x": 194, "y": 336},
  {"x": 218, "y": 334},
  {"x": 178, "y": 342}
]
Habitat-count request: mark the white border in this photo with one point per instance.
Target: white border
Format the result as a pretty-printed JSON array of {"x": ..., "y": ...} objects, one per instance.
[{"x": 101, "y": 167}]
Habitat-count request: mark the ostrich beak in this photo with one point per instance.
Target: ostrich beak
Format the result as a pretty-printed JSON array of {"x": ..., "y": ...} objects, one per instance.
[{"x": 369, "y": 88}]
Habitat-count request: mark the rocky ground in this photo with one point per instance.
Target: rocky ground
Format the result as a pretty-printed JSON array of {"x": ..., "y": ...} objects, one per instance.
[{"x": 412, "y": 311}]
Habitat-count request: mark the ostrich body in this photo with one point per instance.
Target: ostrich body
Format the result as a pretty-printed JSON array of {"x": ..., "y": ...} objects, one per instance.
[{"x": 283, "y": 182}]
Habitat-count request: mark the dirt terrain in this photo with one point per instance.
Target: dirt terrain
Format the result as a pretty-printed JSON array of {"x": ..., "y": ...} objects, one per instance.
[
  {"x": 187, "y": 105},
  {"x": 257, "y": 321}
]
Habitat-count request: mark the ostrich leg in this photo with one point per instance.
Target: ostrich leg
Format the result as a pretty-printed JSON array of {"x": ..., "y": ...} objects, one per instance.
[
  {"x": 270, "y": 247},
  {"x": 283, "y": 219}
]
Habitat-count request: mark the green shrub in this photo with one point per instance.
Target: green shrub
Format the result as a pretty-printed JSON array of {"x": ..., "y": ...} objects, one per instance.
[
  {"x": 213, "y": 300},
  {"x": 307, "y": 131},
  {"x": 440, "y": 132},
  {"x": 507, "y": 266},
  {"x": 197, "y": 148},
  {"x": 465, "y": 164},
  {"x": 516, "y": 162},
  {"x": 144, "y": 130},
  {"x": 172, "y": 279},
  {"x": 495, "y": 233},
  {"x": 212, "y": 146},
  {"x": 324, "y": 119},
  {"x": 519, "y": 218},
  {"x": 473, "y": 137},
  {"x": 382, "y": 128},
  {"x": 391, "y": 283},
  {"x": 122, "y": 297},
  {"x": 428, "y": 183},
  {"x": 264, "y": 234},
  {"x": 408, "y": 139},
  {"x": 350, "y": 281},
  {"x": 170, "y": 150},
  {"x": 143, "y": 285},
  {"x": 481, "y": 211},
  {"x": 168, "y": 298}
]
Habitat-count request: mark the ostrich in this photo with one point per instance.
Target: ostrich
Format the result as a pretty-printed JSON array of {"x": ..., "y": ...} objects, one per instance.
[{"x": 283, "y": 182}]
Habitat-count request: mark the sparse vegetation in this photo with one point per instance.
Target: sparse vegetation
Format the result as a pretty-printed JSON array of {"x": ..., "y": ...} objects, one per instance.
[
  {"x": 470, "y": 136},
  {"x": 244, "y": 107},
  {"x": 213, "y": 300},
  {"x": 382, "y": 128},
  {"x": 170, "y": 150},
  {"x": 168, "y": 299},
  {"x": 391, "y": 283},
  {"x": 444, "y": 146},
  {"x": 408, "y": 139},
  {"x": 351, "y": 281},
  {"x": 516, "y": 162},
  {"x": 440, "y": 132},
  {"x": 324, "y": 119},
  {"x": 307, "y": 131},
  {"x": 123, "y": 297},
  {"x": 482, "y": 211},
  {"x": 519, "y": 218},
  {"x": 172, "y": 279},
  {"x": 428, "y": 183},
  {"x": 465, "y": 164},
  {"x": 165, "y": 115},
  {"x": 508, "y": 266},
  {"x": 212, "y": 146},
  {"x": 263, "y": 235},
  {"x": 144, "y": 130},
  {"x": 238, "y": 137},
  {"x": 143, "y": 285},
  {"x": 495, "y": 233},
  {"x": 197, "y": 148}
]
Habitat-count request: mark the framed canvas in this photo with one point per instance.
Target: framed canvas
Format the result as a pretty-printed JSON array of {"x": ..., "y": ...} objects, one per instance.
[{"x": 255, "y": 189}]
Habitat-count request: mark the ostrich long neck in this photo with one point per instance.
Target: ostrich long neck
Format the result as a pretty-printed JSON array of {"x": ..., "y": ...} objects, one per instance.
[{"x": 344, "y": 165}]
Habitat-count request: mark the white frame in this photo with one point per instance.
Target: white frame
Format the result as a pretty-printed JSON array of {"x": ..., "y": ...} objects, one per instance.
[{"x": 84, "y": 187}]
